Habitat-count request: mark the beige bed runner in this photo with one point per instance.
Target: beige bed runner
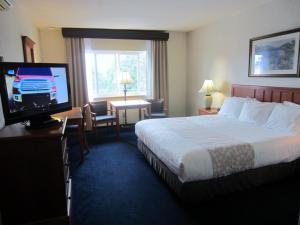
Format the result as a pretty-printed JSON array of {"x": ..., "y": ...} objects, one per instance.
[{"x": 230, "y": 159}]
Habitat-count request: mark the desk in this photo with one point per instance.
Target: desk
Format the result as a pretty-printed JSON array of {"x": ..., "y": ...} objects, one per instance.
[
  {"x": 129, "y": 104},
  {"x": 75, "y": 118}
]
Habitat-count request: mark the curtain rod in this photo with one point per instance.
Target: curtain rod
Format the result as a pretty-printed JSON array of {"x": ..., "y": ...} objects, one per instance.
[{"x": 115, "y": 34}]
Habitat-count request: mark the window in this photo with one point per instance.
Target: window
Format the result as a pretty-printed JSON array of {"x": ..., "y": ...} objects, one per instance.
[{"x": 103, "y": 73}]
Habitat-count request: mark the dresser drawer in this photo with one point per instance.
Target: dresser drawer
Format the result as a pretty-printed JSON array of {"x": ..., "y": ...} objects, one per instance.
[
  {"x": 68, "y": 187},
  {"x": 64, "y": 149},
  {"x": 66, "y": 172},
  {"x": 33, "y": 191},
  {"x": 69, "y": 195},
  {"x": 66, "y": 164}
]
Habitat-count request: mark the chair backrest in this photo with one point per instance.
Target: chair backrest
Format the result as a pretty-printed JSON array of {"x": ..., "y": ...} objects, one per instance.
[
  {"x": 157, "y": 105},
  {"x": 87, "y": 119},
  {"x": 84, "y": 109},
  {"x": 100, "y": 108}
]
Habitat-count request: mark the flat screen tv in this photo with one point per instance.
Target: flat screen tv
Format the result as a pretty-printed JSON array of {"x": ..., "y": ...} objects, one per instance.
[{"x": 33, "y": 91}]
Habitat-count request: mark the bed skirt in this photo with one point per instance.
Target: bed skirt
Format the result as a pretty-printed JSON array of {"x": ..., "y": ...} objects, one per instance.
[{"x": 197, "y": 191}]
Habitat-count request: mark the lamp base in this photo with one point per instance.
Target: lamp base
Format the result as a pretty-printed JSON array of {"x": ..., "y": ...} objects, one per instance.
[
  {"x": 125, "y": 98},
  {"x": 208, "y": 101}
]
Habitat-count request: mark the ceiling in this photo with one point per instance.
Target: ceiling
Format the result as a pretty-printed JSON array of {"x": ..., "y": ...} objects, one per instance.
[{"x": 175, "y": 15}]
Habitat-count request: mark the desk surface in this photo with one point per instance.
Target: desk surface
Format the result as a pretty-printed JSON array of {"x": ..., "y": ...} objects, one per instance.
[
  {"x": 75, "y": 117},
  {"x": 130, "y": 103},
  {"x": 19, "y": 131},
  {"x": 74, "y": 113}
]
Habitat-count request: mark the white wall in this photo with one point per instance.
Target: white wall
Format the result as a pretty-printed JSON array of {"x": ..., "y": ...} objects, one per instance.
[
  {"x": 219, "y": 51},
  {"x": 177, "y": 72},
  {"x": 14, "y": 23},
  {"x": 53, "y": 50}
]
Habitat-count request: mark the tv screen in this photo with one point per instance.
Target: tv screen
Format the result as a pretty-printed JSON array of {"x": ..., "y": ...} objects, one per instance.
[{"x": 33, "y": 90}]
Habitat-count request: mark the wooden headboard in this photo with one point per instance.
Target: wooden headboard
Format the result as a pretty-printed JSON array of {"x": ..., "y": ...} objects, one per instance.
[{"x": 267, "y": 93}]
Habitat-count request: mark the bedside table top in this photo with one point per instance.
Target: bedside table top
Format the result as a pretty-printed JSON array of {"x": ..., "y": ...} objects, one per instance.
[{"x": 204, "y": 111}]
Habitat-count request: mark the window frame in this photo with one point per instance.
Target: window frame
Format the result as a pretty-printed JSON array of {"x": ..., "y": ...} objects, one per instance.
[{"x": 117, "y": 54}]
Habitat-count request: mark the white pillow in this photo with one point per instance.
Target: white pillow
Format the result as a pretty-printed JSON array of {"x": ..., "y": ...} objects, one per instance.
[
  {"x": 256, "y": 112},
  {"x": 285, "y": 118},
  {"x": 291, "y": 104},
  {"x": 232, "y": 107}
]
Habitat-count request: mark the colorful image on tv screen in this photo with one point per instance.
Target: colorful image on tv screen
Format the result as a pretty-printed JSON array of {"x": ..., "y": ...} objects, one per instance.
[{"x": 36, "y": 87}]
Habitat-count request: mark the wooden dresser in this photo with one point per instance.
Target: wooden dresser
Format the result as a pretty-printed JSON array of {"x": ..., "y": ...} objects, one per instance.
[{"x": 35, "y": 186}]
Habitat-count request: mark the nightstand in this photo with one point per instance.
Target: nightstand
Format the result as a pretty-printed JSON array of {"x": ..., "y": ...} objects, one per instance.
[{"x": 211, "y": 111}]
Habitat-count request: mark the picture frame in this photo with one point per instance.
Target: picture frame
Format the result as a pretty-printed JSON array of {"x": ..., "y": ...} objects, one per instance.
[
  {"x": 275, "y": 55},
  {"x": 28, "y": 49}
]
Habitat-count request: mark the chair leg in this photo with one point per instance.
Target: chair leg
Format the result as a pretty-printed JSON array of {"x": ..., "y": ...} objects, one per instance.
[
  {"x": 86, "y": 143},
  {"x": 96, "y": 131},
  {"x": 117, "y": 129}
]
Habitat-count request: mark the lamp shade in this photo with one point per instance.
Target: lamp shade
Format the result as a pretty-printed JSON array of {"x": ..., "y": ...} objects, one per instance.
[
  {"x": 126, "y": 78},
  {"x": 207, "y": 87}
]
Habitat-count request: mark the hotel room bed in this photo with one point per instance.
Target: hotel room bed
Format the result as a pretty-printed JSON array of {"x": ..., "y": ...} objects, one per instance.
[{"x": 203, "y": 156}]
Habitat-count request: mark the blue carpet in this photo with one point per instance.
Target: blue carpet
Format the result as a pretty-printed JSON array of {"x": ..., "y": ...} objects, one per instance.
[{"x": 116, "y": 186}]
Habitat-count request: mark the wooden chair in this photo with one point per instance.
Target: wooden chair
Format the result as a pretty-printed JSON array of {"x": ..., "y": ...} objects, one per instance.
[
  {"x": 157, "y": 109},
  {"x": 85, "y": 110},
  {"x": 101, "y": 114},
  {"x": 77, "y": 126}
]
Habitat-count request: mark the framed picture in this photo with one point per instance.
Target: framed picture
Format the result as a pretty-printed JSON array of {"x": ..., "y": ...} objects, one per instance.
[
  {"x": 275, "y": 55},
  {"x": 28, "y": 49}
]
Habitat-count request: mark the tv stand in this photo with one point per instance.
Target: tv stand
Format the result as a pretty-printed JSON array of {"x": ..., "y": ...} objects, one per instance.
[
  {"x": 42, "y": 122},
  {"x": 35, "y": 180}
]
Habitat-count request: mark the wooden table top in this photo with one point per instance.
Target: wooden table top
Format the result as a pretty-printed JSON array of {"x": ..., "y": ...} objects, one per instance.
[
  {"x": 74, "y": 113},
  {"x": 129, "y": 103},
  {"x": 19, "y": 131}
]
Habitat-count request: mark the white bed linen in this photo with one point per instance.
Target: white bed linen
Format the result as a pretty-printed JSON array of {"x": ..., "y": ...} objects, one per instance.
[{"x": 182, "y": 143}]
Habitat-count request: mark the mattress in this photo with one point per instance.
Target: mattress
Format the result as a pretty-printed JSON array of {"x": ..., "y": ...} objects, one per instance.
[{"x": 185, "y": 144}]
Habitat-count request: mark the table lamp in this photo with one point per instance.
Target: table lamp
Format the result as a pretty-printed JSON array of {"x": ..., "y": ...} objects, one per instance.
[
  {"x": 125, "y": 79},
  {"x": 207, "y": 88}
]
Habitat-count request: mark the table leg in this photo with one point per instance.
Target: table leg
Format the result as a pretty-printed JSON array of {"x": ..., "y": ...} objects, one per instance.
[
  {"x": 149, "y": 111},
  {"x": 81, "y": 139},
  {"x": 85, "y": 143},
  {"x": 140, "y": 114},
  {"x": 118, "y": 123}
]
